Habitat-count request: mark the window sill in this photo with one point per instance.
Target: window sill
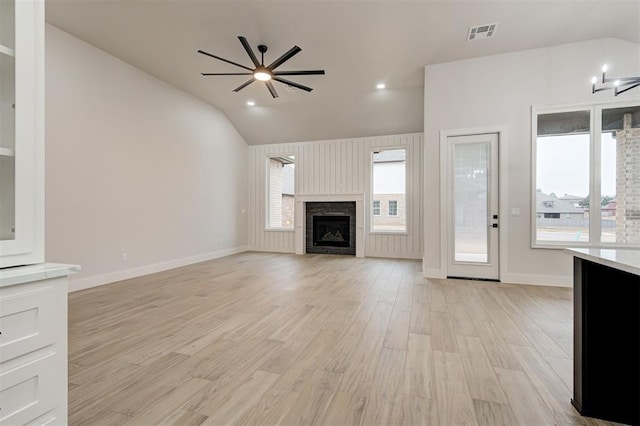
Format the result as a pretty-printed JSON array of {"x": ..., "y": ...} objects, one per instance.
[
  {"x": 562, "y": 246},
  {"x": 279, "y": 229},
  {"x": 388, "y": 232}
]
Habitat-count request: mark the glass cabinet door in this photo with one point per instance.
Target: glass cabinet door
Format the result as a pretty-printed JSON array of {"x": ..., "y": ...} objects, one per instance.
[
  {"x": 7, "y": 120},
  {"x": 21, "y": 132}
]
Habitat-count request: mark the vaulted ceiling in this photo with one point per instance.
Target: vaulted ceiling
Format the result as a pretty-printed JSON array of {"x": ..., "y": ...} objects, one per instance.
[{"x": 358, "y": 43}]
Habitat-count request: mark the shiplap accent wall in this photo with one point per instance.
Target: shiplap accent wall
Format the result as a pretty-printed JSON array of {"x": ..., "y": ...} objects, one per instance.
[{"x": 337, "y": 167}]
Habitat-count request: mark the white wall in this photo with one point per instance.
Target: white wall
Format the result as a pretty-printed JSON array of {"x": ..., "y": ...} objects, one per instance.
[
  {"x": 339, "y": 166},
  {"x": 134, "y": 165},
  {"x": 500, "y": 91}
]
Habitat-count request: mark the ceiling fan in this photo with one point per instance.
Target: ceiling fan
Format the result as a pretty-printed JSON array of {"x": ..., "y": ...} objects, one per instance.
[{"x": 265, "y": 73}]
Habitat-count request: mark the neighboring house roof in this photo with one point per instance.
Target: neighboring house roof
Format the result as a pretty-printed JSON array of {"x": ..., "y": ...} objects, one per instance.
[{"x": 547, "y": 204}]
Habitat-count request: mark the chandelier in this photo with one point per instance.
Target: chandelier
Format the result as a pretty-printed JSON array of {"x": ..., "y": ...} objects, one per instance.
[{"x": 619, "y": 85}]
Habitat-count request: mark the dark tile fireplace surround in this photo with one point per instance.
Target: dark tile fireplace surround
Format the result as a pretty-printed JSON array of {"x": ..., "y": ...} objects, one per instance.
[{"x": 331, "y": 227}]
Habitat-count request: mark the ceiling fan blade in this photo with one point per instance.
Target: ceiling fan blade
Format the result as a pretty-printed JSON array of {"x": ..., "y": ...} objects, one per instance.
[
  {"x": 308, "y": 72},
  {"x": 291, "y": 83},
  {"x": 224, "y": 60},
  {"x": 226, "y": 73},
  {"x": 282, "y": 59},
  {"x": 252, "y": 55},
  {"x": 242, "y": 86},
  {"x": 271, "y": 89}
]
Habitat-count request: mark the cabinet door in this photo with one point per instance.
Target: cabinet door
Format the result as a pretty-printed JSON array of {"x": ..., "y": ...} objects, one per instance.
[
  {"x": 28, "y": 320},
  {"x": 28, "y": 391},
  {"x": 21, "y": 132}
]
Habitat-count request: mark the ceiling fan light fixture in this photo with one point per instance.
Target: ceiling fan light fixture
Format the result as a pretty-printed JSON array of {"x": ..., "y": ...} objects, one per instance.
[
  {"x": 262, "y": 75},
  {"x": 262, "y": 72}
]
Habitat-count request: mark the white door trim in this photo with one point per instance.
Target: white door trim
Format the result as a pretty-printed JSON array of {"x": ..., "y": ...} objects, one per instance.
[{"x": 501, "y": 130}]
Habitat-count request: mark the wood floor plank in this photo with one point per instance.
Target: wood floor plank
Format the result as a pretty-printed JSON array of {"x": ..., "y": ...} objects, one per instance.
[
  {"x": 316, "y": 353},
  {"x": 359, "y": 374},
  {"x": 420, "y": 318},
  {"x": 240, "y": 401},
  {"x": 102, "y": 417},
  {"x": 455, "y": 405},
  {"x": 408, "y": 410},
  {"x": 494, "y": 414},
  {"x": 459, "y": 318},
  {"x": 398, "y": 330},
  {"x": 437, "y": 301},
  {"x": 310, "y": 406},
  {"x": 562, "y": 367},
  {"x": 165, "y": 407},
  {"x": 482, "y": 380},
  {"x": 344, "y": 409},
  {"x": 411, "y": 410},
  {"x": 442, "y": 336},
  {"x": 418, "y": 379},
  {"x": 271, "y": 408},
  {"x": 389, "y": 374},
  {"x": 527, "y": 405},
  {"x": 551, "y": 388}
]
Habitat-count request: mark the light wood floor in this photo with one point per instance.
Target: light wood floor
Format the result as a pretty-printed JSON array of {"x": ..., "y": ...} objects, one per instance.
[{"x": 270, "y": 339}]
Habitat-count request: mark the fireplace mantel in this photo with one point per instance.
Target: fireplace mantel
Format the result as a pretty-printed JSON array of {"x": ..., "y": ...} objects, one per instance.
[{"x": 300, "y": 228}]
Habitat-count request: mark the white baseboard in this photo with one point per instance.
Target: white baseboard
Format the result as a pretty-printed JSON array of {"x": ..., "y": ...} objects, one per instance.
[
  {"x": 391, "y": 255},
  {"x": 271, "y": 250},
  {"x": 542, "y": 280},
  {"x": 433, "y": 273},
  {"x": 111, "y": 277}
]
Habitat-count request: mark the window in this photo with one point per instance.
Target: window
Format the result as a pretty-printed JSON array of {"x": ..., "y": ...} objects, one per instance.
[
  {"x": 280, "y": 192},
  {"x": 389, "y": 189},
  {"x": 582, "y": 155},
  {"x": 393, "y": 208},
  {"x": 376, "y": 207}
]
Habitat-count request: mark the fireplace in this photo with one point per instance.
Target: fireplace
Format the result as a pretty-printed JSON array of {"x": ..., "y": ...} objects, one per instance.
[
  {"x": 332, "y": 231},
  {"x": 331, "y": 227}
]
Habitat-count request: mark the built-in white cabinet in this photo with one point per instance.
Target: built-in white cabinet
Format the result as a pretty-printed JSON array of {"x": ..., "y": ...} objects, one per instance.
[
  {"x": 21, "y": 132},
  {"x": 33, "y": 344}
]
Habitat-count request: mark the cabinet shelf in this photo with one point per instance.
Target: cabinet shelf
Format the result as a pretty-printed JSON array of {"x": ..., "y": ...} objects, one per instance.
[{"x": 7, "y": 51}]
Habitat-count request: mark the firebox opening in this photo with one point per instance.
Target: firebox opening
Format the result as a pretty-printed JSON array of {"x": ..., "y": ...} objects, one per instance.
[{"x": 331, "y": 231}]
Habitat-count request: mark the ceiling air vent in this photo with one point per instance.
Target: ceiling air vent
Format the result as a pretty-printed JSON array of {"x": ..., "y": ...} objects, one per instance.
[{"x": 482, "y": 31}]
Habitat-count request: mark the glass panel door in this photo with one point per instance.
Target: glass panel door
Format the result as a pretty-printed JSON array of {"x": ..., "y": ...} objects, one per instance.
[{"x": 472, "y": 211}]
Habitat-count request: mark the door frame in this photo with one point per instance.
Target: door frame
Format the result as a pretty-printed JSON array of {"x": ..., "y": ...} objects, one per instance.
[{"x": 501, "y": 131}]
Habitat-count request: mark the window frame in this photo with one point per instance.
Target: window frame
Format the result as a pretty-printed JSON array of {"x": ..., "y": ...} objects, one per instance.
[
  {"x": 595, "y": 152},
  {"x": 373, "y": 208},
  {"x": 267, "y": 207},
  {"x": 408, "y": 188},
  {"x": 396, "y": 207}
]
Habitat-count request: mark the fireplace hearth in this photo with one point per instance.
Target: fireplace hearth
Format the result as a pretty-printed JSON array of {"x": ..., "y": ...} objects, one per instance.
[{"x": 331, "y": 227}]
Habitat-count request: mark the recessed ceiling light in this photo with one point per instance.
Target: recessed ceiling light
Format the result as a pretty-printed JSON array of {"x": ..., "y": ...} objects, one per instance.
[
  {"x": 381, "y": 86},
  {"x": 251, "y": 103}
]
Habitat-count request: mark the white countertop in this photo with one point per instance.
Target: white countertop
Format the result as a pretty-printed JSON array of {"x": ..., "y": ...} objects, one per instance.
[
  {"x": 40, "y": 271},
  {"x": 627, "y": 260}
]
